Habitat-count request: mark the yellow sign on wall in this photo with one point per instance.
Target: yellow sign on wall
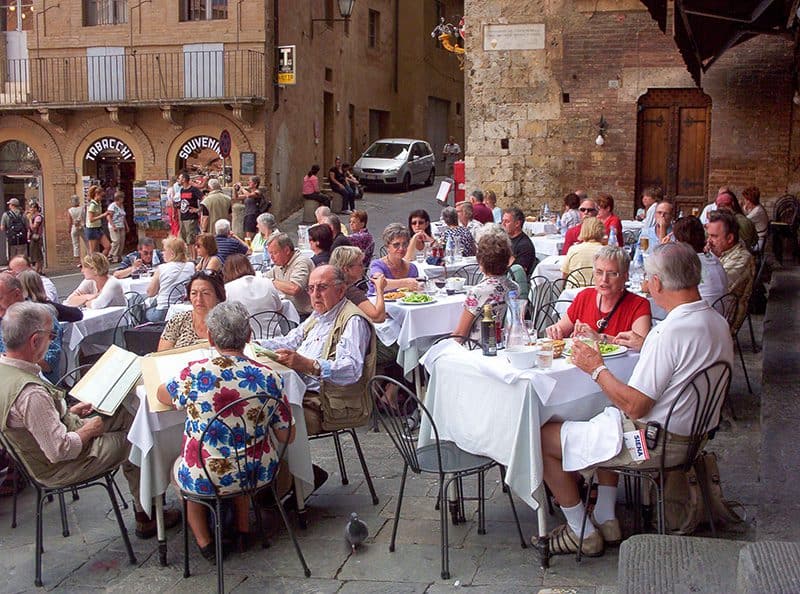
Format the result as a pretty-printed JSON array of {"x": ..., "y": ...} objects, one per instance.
[{"x": 287, "y": 74}]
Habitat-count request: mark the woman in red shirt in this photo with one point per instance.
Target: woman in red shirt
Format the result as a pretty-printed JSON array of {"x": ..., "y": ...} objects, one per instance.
[
  {"x": 606, "y": 309},
  {"x": 605, "y": 212}
]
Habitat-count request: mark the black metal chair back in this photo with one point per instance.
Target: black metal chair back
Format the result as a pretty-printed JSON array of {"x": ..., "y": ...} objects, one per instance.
[
  {"x": 383, "y": 251},
  {"x": 143, "y": 339},
  {"x": 580, "y": 277},
  {"x": 177, "y": 294},
  {"x": 540, "y": 292},
  {"x": 726, "y": 307},
  {"x": 363, "y": 284},
  {"x": 787, "y": 211},
  {"x": 69, "y": 379},
  {"x": 465, "y": 341},
  {"x": 545, "y": 316},
  {"x": 471, "y": 272},
  {"x": 268, "y": 324},
  {"x": 133, "y": 298}
]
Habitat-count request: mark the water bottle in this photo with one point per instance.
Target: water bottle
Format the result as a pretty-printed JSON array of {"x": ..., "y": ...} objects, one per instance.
[
  {"x": 558, "y": 222},
  {"x": 450, "y": 250},
  {"x": 612, "y": 238},
  {"x": 637, "y": 271},
  {"x": 545, "y": 212}
]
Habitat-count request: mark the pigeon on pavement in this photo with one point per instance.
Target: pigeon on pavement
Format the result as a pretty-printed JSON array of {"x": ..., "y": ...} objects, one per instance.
[{"x": 356, "y": 531}]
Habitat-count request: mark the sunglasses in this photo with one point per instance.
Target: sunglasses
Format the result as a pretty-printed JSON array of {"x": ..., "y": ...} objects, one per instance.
[{"x": 588, "y": 209}]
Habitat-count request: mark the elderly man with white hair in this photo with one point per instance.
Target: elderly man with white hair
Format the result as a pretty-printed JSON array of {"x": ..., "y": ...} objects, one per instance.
[
  {"x": 215, "y": 206},
  {"x": 692, "y": 337},
  {"x": 227, "y": 242}
]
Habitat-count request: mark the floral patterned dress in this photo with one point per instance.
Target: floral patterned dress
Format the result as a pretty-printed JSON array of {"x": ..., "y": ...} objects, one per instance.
[
  {"x": 491, "y": 290},
  {"x": 204, "y": 388}
]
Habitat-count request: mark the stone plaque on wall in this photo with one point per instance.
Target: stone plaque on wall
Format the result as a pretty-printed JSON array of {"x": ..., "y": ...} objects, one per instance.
[{"x": 522, "y": 36}]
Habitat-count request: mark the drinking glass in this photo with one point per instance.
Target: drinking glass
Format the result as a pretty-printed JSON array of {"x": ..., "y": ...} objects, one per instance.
[
  {"x": 544, "y": 358},
  {"x": 644, "y": 243},
  {"x": 440, "y": 283}
]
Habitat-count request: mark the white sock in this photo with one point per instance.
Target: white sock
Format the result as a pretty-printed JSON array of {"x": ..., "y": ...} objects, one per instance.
[
  {"x": 574, "y": 517},
  {"x": 605, "y": 508}
]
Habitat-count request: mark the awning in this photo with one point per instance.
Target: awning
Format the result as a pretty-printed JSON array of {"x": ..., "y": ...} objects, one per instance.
[{"x": 706, "y": 29}]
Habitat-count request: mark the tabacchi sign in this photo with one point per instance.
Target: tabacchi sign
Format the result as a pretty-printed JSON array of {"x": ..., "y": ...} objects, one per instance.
[{"x": 108, "y": 143}]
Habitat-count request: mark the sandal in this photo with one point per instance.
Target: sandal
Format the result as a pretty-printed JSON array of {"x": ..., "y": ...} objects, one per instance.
[
  {"x": 563, "y": 541},
  {"x": 209, "y": 552}
]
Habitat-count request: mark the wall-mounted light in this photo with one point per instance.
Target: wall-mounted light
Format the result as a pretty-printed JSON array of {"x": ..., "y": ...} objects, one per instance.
[
  {"x": 345, "y": 9},
  {"x": 601, "y": 133}
]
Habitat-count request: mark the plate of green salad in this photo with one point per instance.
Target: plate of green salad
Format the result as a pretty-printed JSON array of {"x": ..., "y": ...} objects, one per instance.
[
  {"x": 416, "y": 299},
  {"x": 607, "y": 350}
]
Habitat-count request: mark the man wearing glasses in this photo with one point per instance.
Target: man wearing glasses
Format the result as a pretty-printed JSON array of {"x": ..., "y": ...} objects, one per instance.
[
  {"x": 290, "y": 272},
  {"x": 588, "y": 208},
  {"x": 50, "y": 361},
  {"x": 146, "y": 257},
  {"x": 334, "y": 352}
]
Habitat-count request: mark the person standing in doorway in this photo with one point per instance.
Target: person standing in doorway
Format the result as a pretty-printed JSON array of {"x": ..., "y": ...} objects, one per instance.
[
  {"x": 117, "y": 226},
  {"x": 450, "y": 154},
  {"x": 15, "y": 225},
  {"x": 75, "y": 214},
  {"x": 35, "y": 236},
  {"x": 190, "y": 210}
]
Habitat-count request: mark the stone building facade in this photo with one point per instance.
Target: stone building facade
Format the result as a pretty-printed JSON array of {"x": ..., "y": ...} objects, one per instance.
[
  {"x": 533, "y": 115},
  {"x": 123, "y": 91}
]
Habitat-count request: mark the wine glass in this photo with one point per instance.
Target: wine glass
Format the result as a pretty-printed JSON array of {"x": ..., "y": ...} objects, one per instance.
[{"x": 440, "y": 283}]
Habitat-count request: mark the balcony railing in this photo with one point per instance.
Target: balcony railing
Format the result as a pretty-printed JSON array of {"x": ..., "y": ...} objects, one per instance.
[{"x": 135, "y": 78}]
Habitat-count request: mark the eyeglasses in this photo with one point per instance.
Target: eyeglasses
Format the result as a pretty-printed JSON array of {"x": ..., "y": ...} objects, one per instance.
[
  {"x": 318, "y": 288},
  {"x": 418, "y": 222},
  {"x": 51, "y": 332},
  {"x": 588, "y": 209},
  {"x": 398, "y": 244},
  {"x": 610, "y": 274}
]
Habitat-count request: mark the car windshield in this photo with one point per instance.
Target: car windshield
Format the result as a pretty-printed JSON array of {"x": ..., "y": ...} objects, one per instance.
[{"x": 387, "y": 150}]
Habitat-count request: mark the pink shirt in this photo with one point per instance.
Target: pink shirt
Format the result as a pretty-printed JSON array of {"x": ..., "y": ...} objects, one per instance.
[
  {"x": 34, "y": 410},
  {"x": 310, "y": 185}
]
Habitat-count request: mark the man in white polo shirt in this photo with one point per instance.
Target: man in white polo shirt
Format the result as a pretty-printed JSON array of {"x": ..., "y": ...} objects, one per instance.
[{"x": 691, "y": 337}]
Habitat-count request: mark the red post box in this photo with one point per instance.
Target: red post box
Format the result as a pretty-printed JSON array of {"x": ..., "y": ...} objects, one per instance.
[{"x": 459, "y": 176}]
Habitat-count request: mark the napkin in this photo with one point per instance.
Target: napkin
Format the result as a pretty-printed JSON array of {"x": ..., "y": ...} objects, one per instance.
[{"x": 584, "y": 443}]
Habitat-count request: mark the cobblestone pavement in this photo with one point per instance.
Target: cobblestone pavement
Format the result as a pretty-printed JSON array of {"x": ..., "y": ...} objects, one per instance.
[{"x": 93, "y": 558}]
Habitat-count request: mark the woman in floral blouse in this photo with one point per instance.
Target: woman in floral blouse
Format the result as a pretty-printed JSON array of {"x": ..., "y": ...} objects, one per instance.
[
  {"x": 231, "y": 449},
  {"x": 494, "y": 256}
]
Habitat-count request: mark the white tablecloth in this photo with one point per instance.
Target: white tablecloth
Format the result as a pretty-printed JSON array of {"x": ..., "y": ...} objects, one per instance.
[
  {"x": 538, "y": 228},
  {"x": 429, "y": 271},
  {"x": 547, "y": 245},
  {"x": 156, "y": 442},
  {"x": 550, "y": 268},
  {"x": 287, "y": 309},
  {"x": 94, "y": 321},
  {"x": 632, "y": 226},
  {"x": 135, "y": 285},
  {"x": 485, "y": 415}
]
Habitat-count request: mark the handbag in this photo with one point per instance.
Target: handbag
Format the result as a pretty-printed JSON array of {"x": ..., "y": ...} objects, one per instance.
[{"x": 684, "y": 507}]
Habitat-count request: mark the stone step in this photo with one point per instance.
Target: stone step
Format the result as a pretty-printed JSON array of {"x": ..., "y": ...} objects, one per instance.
[{"x": 769, "y": 567}]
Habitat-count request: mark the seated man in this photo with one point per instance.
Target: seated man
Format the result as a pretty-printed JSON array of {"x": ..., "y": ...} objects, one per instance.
[
  {"x": 692, "y": 337},
  {"x": 146, "y": 257},
  {"x": 334, "y": 351},
  {"x": 660, "y": 231},
  {"x": 466, "y": 218},
  {"x": 480, "y": 212},
  {"x": 335, "y": 225},
  {"x": 290, "y": 272},
  {"x": 521, "y": 245},
  {"x": 588, "y": 208},
  {"x": 227, "y": 242},
  {"x": 20, "y": 263},
  {"x": 59, "y": 446},
  {"x": 723, "y": 242}
]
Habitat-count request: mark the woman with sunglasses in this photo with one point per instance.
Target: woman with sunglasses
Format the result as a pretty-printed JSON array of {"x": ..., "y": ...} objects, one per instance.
[
  {"x": 419, "y": 229},
  {"x": 399, "y": 273},
  {"x": 205, "y": 290},
  {"x": 606, "y": 309}
]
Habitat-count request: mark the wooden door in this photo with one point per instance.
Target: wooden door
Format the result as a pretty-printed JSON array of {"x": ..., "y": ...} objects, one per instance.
[{"x": 673, "y": 135}]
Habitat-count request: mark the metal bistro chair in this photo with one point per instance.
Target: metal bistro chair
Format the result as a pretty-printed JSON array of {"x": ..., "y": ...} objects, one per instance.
[
  {"x": 143, "y": 339},
  {"x": 580, "y": 277},
  {"x": 540, "y": 292},
  {"x": 133, "y": 298},
  {"x": 703, "y": 396},
  {"x": 546, "y": 315},
  {"x": 442, "y": 458},
  {"x": 269, "y": 324},
  {"x": 246, "y": 451},
  {"x": 104, "y": 479},
  {"x": 471, "y": 272},
  {"x": 177, "y": 294},
  {"x": 134, "y": 315},
  {"x": 726, "y": 306},
  {"x": 784, "y": 225}
]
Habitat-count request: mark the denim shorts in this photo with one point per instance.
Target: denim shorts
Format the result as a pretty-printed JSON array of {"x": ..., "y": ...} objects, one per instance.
[{"x": 93, "y": 233}]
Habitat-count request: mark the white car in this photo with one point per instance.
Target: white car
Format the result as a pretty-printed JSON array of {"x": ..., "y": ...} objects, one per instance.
[{"x": 400, "y": 162}]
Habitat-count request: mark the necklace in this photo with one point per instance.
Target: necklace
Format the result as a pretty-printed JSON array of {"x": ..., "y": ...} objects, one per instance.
[{"x": 602, "y": 323}]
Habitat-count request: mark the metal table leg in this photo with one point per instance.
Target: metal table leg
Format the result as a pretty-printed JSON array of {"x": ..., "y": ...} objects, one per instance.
[
  {"x": 542, "y": 540},
  {"x": 160, "y": 531},
  {"x": 299, "y": 497}
]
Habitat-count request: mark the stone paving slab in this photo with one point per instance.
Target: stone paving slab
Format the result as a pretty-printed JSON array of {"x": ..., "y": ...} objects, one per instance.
[{"x": 769, "y": 568}]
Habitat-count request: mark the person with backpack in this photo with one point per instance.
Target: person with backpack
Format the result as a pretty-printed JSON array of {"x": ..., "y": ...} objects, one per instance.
[
  {"x": 15, "y": 225},
  {"x": 255, "y": 203}
]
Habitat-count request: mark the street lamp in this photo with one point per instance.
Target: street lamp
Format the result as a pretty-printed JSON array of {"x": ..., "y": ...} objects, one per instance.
[{"x": 345, "y": 9}]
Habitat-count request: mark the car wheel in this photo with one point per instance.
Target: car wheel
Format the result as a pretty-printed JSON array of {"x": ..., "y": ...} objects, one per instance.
[
  {"x": 429, "y": 181},
  {"x": 406, "y": 185}
]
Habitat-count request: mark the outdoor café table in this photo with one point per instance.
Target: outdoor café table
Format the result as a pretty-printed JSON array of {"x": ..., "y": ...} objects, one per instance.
[
  {"x": 549, "y": 267},
  {"x": 94, "y": 321},
  {"x": 156, "y": 439},
  {"x": 568, "y": 296},
  {"x": 538, "y": 228},
  {"x": 136, "y": 285},
  {"x": 287, "y": 309},
  {"x": 635, "y": 226},
  {"x": 426, "y": 270},
  {"x": 488, "y": 408},
  {"x": 547, "y": 245}
]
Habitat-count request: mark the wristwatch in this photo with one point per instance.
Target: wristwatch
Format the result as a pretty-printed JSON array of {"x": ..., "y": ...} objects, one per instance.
[{"x": 596, "y": 373}]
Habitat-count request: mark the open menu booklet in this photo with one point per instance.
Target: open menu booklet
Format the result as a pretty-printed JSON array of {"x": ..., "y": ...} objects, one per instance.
[{"x": 116, "y": 373}]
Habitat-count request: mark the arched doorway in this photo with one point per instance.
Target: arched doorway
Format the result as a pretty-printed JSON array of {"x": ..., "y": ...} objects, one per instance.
[
  {"x": 109, "y": 163},
  {"x": 200, "y": 157},
  {"x": 20, "y": 178}
]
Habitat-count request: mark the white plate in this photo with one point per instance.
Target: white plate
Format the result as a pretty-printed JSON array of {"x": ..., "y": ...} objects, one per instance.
[
  {"x": 412, "y": 303},
  {"x": 620, "y": 350}
]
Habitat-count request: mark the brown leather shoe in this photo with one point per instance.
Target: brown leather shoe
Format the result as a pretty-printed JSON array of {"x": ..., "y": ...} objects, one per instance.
[{"x": 146, "y": 528}]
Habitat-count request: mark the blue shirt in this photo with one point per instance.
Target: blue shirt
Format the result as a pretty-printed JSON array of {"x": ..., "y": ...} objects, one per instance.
[
  {"x": 53, "y": 355},
  {"x": 227, "y": 246},
  {"x": 127, "y": 261}
]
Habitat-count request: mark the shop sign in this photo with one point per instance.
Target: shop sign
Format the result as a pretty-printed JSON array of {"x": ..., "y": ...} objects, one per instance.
[
  {"x": 287, "y": 73},
  {"x": 109, "y": 143},
  {"x": 197, "y": 144}
]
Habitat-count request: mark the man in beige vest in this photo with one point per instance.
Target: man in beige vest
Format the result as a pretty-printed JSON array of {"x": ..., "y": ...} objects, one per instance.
[
  {"x": 59, "y": 446},
  {"x": 215, "y": 206},
  {"x": 334, "y": 351}
]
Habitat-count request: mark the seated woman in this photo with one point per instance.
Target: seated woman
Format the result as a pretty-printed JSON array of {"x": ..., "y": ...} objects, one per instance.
[
  {"x": 494, "y": 255},
  {"x": 205, "y": 290},
  {"x": 174, "y": 272},
  {"x": 360, "y": 235},
  {"x": 581, "y": 255},
  {"x": 256, "y": 293},
  {"x": 461, "y": 236},
  {"x": 207, "y": 258},
  {"x": 603, "y": 311},
  {"x": 570, "y": 216},
  {"x": 605, "y": 212},
  {"x": 33, "y": 290},
  {"x": 204, "y": 388},
  {"x": 350, "y": 260},
  {"x": 311, "y": 187},
  {"x": 399, "y": 273},
  {"x": 419, "y": 228},
  {"x": 320, "y": 239},
  {"x": 98, "y": 290}
]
